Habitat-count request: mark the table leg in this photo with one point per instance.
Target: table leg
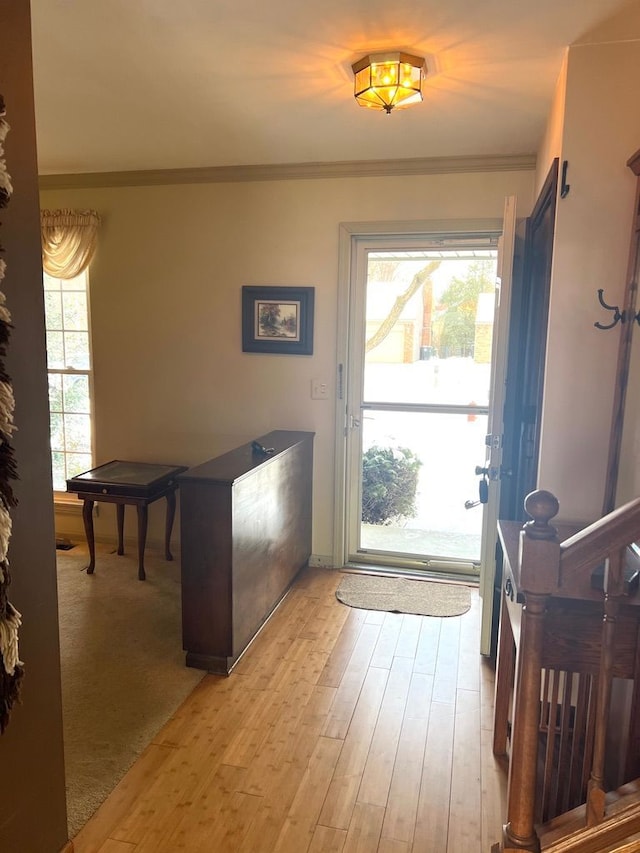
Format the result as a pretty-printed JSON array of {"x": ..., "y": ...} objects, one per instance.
[
  {"x": 87, "y": 517},
  {"x": 171, "y": 511},
  {"x": 142, "y": 539},
  {"x": 120, "y": 517}
]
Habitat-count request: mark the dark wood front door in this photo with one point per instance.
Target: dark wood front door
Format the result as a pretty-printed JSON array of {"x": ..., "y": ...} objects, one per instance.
[
  {"x": 527, "y": 353},
  {"x": 533, "y": 251}
]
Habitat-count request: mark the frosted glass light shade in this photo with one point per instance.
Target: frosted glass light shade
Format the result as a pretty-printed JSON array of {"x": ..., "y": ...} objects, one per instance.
[{"x": 387, "y": 81}]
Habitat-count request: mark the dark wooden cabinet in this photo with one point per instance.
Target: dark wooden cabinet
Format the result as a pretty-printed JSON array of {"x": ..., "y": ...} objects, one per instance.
[{"x": 245, "y": 534}]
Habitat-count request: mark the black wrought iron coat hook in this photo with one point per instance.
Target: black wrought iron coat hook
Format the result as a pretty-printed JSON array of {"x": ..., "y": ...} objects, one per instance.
[{"x": 618, "y": 315}]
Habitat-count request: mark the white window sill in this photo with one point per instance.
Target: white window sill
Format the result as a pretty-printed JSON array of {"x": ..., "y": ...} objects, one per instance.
[{"x": 69, "y": 504}]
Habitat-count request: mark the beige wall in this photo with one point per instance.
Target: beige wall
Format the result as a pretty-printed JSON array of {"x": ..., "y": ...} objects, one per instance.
[
  {"x": 601, "y": 131},
  {"x": 32, "y": 794},
  {"x": 551, "y": 145},
  {"x": 171, "y": 381}
]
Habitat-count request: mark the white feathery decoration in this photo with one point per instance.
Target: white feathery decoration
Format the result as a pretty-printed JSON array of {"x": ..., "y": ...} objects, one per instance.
[
  {"x": 10, "y": 619},
  {"x": 5, "y": 180},
  {"x": 9, "y": 640},
  {"x": 5, "y": 532},
  {"x": 5, "y": 314},
  {"x": 7, "y": 406}
]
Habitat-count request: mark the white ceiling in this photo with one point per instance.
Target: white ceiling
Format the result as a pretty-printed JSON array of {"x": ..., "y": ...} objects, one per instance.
[{"x": 161, "y": 84}]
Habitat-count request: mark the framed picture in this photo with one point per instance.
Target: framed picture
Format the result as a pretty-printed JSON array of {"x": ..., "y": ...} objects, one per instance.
[{"x": 277, "y": 319}]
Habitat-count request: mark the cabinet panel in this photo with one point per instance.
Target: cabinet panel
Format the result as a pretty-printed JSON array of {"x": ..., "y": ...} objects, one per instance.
[{"x": 245, "y": 534}]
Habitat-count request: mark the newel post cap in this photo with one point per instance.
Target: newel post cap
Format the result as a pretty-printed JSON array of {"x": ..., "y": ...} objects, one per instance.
[
  {"x": 539, "y": 553},
  {"x": 542, "y": 506}
]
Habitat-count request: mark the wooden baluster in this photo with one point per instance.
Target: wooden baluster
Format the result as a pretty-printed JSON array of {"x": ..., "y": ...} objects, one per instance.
[
  {"x": 614, "y": 589},
  {"x": 550, "y": 768},
  {"x": 539, "y": 565}
]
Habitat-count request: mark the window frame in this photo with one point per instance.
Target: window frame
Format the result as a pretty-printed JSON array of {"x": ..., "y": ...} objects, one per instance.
[{"x": 60, "y": 495}]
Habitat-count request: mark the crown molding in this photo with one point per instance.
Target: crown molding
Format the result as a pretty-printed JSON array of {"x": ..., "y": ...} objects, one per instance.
[{"x": 291, "y": 172}]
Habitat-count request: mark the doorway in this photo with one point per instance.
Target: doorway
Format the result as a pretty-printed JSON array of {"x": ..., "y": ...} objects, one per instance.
[
  {"x": 418, "y": 312},
  {"x": 423, "y": 323}
]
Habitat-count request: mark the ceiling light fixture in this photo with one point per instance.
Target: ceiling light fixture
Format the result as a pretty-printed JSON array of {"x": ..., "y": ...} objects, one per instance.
[{"x": 387, "y": 81}]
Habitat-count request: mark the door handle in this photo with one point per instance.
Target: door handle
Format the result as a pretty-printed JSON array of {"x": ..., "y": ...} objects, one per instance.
[
  {"x": 483, "y": 495},
  {"x": 483, "y": 486},
  {"x": 354, "y": 423}
]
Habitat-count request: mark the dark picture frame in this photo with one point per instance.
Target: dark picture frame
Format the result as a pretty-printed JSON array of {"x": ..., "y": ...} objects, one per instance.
[{"x": 277, "y": 319}]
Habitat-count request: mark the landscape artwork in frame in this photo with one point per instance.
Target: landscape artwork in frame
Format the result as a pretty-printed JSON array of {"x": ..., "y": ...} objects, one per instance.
[{"x": 277, "y": 319}]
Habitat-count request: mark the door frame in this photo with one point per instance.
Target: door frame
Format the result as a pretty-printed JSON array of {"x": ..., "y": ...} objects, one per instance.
[
  {"x": 496, "y": 426},
  {"x": 349, "y": 234}
]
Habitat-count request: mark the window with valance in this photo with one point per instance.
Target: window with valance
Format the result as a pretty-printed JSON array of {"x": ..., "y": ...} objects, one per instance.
[{"x": 69, "y": 239}]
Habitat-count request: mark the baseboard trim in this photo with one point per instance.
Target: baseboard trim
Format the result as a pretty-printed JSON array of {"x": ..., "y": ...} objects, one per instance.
[{"x": 321, "y": 561}]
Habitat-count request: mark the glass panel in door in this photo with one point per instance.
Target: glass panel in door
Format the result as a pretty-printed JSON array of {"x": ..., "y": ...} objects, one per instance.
[{"x": 423, "y": 417}]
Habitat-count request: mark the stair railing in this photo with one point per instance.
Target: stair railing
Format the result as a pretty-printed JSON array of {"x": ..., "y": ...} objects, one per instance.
[{"x": 548, "y": 567}]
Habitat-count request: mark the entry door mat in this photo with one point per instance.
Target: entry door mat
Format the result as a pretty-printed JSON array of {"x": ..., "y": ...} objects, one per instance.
[{"x": 402, "y": 595}]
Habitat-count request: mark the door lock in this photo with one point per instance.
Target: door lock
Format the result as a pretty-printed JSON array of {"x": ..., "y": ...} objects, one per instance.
[{"x": 491, "y": 472}]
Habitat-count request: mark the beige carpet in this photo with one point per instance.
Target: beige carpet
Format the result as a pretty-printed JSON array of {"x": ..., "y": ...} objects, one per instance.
[
  {"x": 123, "y": 672},
  {"x": 401, "y": 595}
]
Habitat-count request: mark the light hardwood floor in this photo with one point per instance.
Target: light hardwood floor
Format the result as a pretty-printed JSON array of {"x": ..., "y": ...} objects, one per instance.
[{"x": 339, "y": 730}]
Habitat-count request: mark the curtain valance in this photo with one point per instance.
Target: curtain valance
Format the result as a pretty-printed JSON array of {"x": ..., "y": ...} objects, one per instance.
[{"x": 69, "y": 240}]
